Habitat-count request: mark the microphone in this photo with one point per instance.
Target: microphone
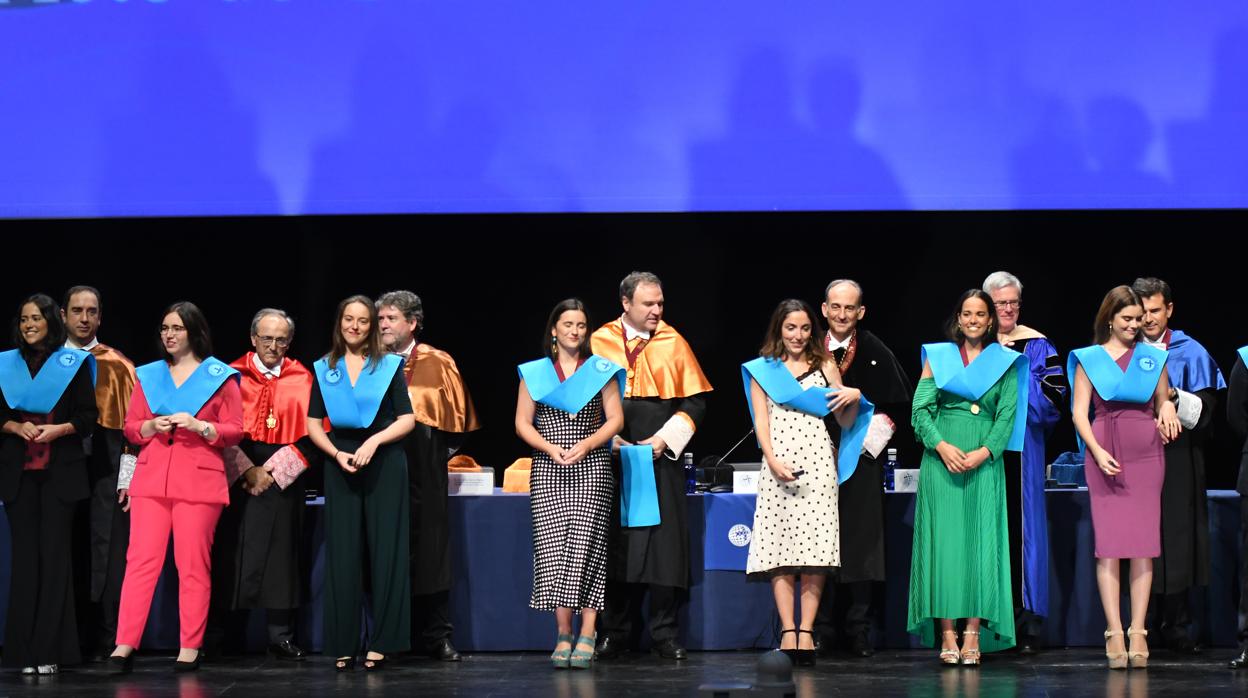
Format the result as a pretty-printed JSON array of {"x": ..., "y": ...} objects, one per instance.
[{"x": 734, "y": 447}]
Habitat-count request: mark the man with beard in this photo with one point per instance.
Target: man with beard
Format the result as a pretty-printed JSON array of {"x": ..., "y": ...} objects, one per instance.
[
  {"x": 444, "y": 414},
  {"x": 109, "y": 523}
]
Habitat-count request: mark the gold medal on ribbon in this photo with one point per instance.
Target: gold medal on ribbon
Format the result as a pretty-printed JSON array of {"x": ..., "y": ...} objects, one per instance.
[
  {"x": 271, "y": 422},
  {"x": 974, "y": 408}
]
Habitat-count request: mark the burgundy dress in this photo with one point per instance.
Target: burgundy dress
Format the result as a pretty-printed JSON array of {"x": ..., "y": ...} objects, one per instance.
[{"x": 1126, "y": 508}]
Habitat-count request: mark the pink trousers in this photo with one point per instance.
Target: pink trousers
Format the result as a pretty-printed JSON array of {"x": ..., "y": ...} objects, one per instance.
[{"x": 193, "y": 525}]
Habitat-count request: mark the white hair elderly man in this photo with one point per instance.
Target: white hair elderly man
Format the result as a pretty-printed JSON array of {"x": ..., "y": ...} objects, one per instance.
[{"x": 1025, "y": 472}]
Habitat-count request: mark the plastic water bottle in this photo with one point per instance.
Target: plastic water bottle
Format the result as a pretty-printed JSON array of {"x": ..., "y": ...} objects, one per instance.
[
  {"x": 890, "y": 467},
  {"x": 691, "y": 475}
]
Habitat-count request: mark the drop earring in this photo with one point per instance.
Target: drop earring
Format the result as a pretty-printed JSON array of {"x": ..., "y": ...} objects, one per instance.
[{"x": 554, "y": 347}]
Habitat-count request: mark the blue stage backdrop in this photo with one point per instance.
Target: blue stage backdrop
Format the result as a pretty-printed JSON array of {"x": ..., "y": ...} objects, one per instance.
[{"x": 206, "y": 107}]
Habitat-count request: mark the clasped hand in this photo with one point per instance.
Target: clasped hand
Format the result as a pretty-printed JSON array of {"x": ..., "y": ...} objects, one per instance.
[
  {"x": 958, "y": 461},
  {"x": 568, "y": 456}
]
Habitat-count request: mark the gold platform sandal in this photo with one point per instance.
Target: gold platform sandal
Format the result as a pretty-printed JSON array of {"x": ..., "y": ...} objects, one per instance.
[
  {"x": 1139, "y": 660},
  {"x": 970, "y": 657},
  {"x": 950, "y": 657},
  {"x": 1117, "y": 660}
]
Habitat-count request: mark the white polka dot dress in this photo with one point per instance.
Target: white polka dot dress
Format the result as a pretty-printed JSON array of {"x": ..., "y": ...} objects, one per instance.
[
  {"x": 796, "y": 525},
  {"x": 571, "y": 509}
]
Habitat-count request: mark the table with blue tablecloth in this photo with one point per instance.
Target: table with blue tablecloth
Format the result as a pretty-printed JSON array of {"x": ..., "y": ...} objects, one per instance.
[{"x": 492, "y": 557}]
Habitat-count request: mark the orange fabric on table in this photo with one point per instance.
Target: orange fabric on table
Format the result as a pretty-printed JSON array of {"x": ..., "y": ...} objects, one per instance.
[
  {"x": 516, "y": 477},
  {"x": 463, "y": 464}
]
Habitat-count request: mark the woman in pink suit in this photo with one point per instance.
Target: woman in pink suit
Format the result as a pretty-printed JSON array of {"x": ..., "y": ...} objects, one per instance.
[{"x": 185, "y": 410}]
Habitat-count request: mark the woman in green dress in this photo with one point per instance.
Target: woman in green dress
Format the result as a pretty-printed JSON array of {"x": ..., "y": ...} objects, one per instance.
[{"x": 964, "y": 414}]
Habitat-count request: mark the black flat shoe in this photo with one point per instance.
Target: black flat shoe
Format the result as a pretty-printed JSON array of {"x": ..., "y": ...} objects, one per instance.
[
  {"x": 1240, "y": 661},
  {"x": 119, "y": 665},
  {"x": 610, "y": 648},
  {"x": 806, "y": 657},
  {"x": 860, "y": 646},
  {"x": 374, "y": 664},
  {"x": 182, "y": 667},
  {"x": 344, "y": 664},
  {"x": 443, "y": 651},
  {"x": 670, "y": 649},
  {"x": 288, "y": 651}
]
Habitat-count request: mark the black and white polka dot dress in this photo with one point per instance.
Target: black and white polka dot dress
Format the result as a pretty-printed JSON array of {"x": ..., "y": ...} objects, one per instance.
[
  {"x": 796, "y": 525},
  {"x": 571, "y": 509}
]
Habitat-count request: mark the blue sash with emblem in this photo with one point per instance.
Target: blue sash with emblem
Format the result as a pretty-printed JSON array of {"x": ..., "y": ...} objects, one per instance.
[
  {"x": 164, "y": 398},
  {"x": 355, "y": 407},
  {"x": 1137, "y": 384},
  {"x": 40, "y": 394},
  {"x": 970, "y": 382},
  {"x": 783, "y": 388},
  {"x": 542, "y": 382}
]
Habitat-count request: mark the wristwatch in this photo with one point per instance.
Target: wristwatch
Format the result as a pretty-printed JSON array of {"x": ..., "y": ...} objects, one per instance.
[{"x": 207, "y": 428}]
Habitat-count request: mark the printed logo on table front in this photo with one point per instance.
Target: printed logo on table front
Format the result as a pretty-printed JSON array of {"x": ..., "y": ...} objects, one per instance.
[{"x": 739, "y": 535}]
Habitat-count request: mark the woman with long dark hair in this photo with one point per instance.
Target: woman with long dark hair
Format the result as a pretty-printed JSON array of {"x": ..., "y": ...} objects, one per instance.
[
  {"x": 48, "y": 407},
  {"x": 569, "y": 406},
  {"x": 966, "y": 413},
  {"x": 360, "y": 388},
  {"x": 1124, "y": 382},
  {"x": 186, "y": 409},
  {"x": 795, "y": 542}
]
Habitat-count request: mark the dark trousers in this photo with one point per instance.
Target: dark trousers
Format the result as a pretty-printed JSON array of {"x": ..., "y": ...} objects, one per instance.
[
  {"x": 1026, "y": 623},
  {"x": 851, "y": 601},
  {"x": 227, "y": 628},
  {"x": 365, "y": 517},
  {"x": 41, "y": 627},
  {"x": 431, "y": 618},
  {"x": 620, "y": 619},
  {"x": 1243, "y": 573},
  {"x": 110, "y": 537}
]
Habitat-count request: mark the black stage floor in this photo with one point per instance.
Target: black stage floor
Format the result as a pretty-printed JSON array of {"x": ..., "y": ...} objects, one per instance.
[{"x": 912, "y": 673}]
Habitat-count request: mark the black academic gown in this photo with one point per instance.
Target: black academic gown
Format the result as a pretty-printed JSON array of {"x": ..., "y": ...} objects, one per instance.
[
  {"x": 877, "y": 373},
  {"x": 655, "y": 554},
  {"x": 258, "y": 551},
  {"x": 1184, "y": 560},
  {"x": 430, "y": 560}
]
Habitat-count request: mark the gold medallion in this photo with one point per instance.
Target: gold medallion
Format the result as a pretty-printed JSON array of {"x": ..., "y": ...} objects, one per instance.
[
  {"x": 974, "y": 408},
  {"x": 271, "y": 422}
]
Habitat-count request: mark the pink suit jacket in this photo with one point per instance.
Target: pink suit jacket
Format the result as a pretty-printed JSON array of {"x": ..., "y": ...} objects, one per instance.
[{"x": 181, "y": 465}]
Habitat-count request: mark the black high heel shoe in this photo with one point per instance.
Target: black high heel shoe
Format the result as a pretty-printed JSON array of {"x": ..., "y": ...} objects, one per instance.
[
  {"x": 791, "y": 654},
  {"x": 180, "y": 666},
  {"x": 344, "y": 664},
  {"x": 806, "y": 657},
  {"x": 374, "y": 664},
  {"x": 117, "y": 665}
]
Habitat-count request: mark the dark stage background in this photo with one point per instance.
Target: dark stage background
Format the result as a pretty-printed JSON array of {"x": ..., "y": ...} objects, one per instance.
[{"x": 488, "y": 282}]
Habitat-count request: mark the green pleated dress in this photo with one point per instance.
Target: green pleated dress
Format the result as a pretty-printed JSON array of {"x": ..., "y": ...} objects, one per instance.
[{"x": 960, "y": 567}]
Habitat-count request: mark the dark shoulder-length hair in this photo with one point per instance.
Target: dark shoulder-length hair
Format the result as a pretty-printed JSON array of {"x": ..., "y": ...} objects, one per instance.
[
  {"x": 197, "y": 332},
  {"x": 373, "y": 350},
  {"x": 35, "y": 354},
  {"x": 1118, "y": 298},
  {"x": 954, "y": 332},
  {"x": 563, "y": 306},
  {"x": 773, "y": 342}
]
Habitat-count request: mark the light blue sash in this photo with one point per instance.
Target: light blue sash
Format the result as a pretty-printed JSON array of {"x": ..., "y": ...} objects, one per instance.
[
  {"x": 40, "y": 394},
  {"x": 777, "y": 382},
  {"x": 355, "y": 407},
  {"x": 573, "y": 394},
  {"x": 1243, "y": 355},
  {"x": 1137, "y": 384},
  {"x": 972, "y": 381},
  {"x": 165, "y": 399},
  {"x": 639, "y": 497}
]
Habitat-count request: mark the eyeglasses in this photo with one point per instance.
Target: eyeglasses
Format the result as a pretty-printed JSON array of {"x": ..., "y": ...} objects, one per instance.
[
  {"x": 277, "y": 341},
  {"x": 1008, "y": 304},
  {"x": 172, "y": 329}
]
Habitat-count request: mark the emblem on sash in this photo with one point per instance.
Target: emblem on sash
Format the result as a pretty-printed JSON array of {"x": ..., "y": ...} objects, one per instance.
[
  {"x": 1147, "y": 363},
  {"x": 333, "y": 376},
  {"x": 67, "y": 360},
  {"x": 216, "y": 370},
  {"x": 602, "y": 365}
]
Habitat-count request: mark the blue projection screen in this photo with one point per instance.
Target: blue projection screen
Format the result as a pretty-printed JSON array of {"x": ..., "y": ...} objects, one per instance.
[{"x": 222, "y": 107}]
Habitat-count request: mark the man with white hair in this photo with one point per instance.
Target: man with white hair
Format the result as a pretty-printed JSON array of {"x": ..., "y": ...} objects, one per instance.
[{"x": 1025, "y": 472}]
